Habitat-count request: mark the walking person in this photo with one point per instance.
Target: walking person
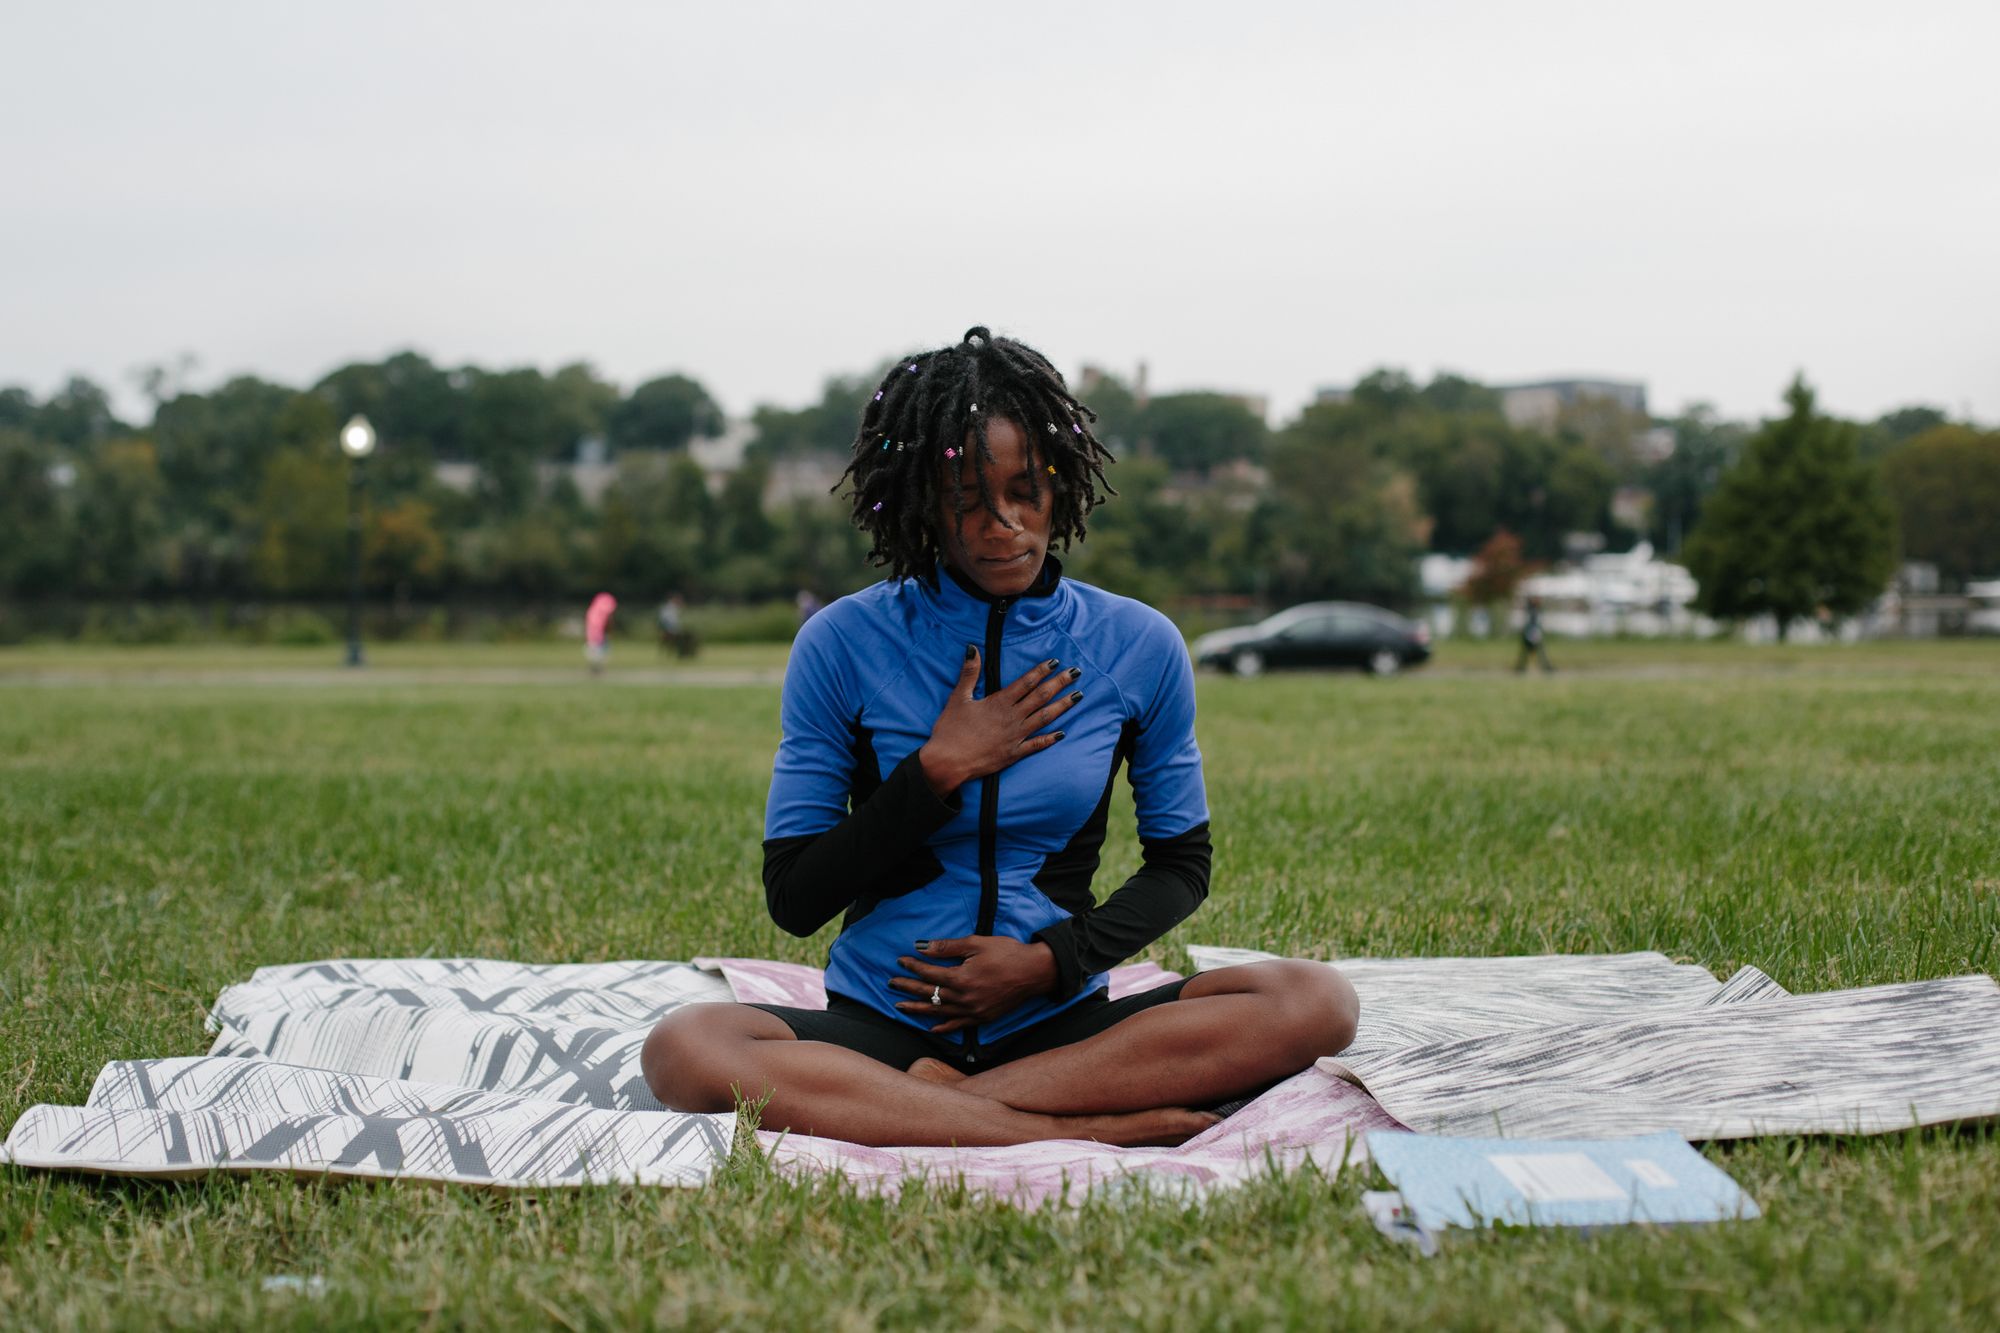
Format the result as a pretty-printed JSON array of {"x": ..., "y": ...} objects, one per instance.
[
  {"x": 596, "y": 631},
  {"x": 1531, "y": 640},
  {"x": 673, "y": 627}
]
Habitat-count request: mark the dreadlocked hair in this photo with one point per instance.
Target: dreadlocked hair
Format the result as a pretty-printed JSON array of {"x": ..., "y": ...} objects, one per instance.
[{"x": 941, "y": 400}]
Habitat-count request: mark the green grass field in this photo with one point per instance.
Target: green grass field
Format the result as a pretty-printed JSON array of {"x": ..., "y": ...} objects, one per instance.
[{"x": 172, "y": 818}]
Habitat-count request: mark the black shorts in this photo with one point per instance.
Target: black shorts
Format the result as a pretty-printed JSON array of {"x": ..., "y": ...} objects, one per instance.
[{"x": 850, "y": 1023}]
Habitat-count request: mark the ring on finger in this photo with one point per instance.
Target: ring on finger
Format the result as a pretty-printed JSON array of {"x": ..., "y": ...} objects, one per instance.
[{"x": 937, "y": 995}]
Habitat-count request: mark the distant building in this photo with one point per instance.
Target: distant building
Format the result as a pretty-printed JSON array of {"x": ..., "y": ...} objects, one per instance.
[
  {"x": 1236, "y": 484},
  {"x": 1090, "y": 376},
  {"x": 1984, "y": 617},
  {"x": 1629, "y": 592},
  {"x": 724, "y": 453},
  {"x": 460, "y": 477},
  {"x": 1333, "y": 395},
  {"x": 803, "y": 477},
  {"x": 1539, "y": 405},
  {"x": 1443, "y": 575},
  {"x": 591, "y": 478}
]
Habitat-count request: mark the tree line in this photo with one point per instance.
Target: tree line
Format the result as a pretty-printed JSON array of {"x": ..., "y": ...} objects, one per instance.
[{"x": 240, "y": 493}]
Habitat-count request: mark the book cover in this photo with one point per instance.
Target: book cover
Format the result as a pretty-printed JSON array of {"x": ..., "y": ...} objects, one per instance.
[{"x": 1447, "y": 1182}]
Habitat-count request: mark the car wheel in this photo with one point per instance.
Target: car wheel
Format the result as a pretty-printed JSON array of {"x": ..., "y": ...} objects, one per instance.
[
  {"x": 1385, "y": 662},
  {"x": 1247, "y": 664}
]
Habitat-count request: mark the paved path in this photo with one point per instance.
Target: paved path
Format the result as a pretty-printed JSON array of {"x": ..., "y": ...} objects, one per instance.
[{"x": 693, "y": 677}]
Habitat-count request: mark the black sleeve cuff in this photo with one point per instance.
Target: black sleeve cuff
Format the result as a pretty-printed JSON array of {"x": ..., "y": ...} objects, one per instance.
[{"x": 1061, "y": 939}]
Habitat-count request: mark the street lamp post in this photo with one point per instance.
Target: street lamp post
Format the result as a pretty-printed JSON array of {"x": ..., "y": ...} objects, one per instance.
[{"x": 357, "y": 441}]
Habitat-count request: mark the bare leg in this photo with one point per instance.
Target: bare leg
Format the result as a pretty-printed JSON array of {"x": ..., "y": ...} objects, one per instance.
[
  {"x": 1231, "y": 1031},
  {"x": 706, "y": 1057}
]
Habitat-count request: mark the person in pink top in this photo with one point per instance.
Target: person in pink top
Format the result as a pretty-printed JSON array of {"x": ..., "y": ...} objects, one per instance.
[{"x": 596, "y": 625}]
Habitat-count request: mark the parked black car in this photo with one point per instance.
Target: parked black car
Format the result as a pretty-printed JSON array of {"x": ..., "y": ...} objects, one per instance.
[{"x": 1319, "y": 634}]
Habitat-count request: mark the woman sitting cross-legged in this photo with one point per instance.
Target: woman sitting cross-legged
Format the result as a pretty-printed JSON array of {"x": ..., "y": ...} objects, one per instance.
[{"x": 950, "y": 739}]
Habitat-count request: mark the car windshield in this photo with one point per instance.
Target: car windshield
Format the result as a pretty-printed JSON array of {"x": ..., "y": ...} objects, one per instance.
[{"x": 1286, "y": 619}]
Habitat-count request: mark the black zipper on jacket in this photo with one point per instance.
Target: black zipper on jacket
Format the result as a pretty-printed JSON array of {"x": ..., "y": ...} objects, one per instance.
[{"x": 989, "y": 809}]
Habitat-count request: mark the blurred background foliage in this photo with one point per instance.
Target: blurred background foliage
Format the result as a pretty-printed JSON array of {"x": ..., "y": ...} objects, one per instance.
[{"x": 518, "y": 492}]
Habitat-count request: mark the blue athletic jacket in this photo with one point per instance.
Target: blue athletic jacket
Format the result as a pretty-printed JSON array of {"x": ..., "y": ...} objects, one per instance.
[{"x": 851, "y": 825}]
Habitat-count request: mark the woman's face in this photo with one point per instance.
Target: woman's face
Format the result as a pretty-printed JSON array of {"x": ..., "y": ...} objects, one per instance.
[{"x": 1002, "y": 555}]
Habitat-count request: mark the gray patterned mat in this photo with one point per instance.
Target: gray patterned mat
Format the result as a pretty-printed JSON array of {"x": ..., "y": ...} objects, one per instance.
[
  {"x": 504, "y": 1073},
  {"x": 1414, "y": 1001},
  {"x": 559, "y": 1032},
  {"x": 189, "y": 1116},
  {"x": 1865, "y": 1061}
]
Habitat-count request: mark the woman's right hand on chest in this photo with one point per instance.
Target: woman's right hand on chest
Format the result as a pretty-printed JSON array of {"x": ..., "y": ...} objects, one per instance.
[{"x": 974, "y": 737}]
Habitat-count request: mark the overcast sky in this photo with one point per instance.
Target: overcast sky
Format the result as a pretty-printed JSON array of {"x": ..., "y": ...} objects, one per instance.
[{"x": 1255, "y": 197}]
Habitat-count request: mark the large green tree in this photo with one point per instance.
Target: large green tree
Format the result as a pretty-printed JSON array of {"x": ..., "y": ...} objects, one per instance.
[
  {"x": 1198, "y": 431},
  {"x": 77, "y": 416},
  {"x": 1945, "y": 484},
  {"x": 1800, "y": 523},
  {"x": 1474, "y": 472},
  {"x": 827, "y": 426},
  {"x": 664, "y": 413},
  {"x": 1153, "y": 543},
  {"x": 1338, "y": 521},
  {"x": 514, "y": 420},
  {"x": 301, "y": 523},
  {"x": 583, "y": 405},
  {"x": 120, "y": 518},
  {"x": 34, "y": 519},
  {"x": 657, "y": 527},
  {"x": 1883, "y": 434},
  {"x": 213, "y": 447}
]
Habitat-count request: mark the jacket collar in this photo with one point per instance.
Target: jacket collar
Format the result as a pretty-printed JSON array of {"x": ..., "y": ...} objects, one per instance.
[{"x": 964, "y": 607}]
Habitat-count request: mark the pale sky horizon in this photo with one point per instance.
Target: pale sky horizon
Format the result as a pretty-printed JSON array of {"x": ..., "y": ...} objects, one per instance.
[{"x": 1260, "y": 198}]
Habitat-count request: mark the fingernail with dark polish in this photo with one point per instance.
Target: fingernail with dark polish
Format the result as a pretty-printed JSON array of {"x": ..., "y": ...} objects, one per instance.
[
  {"x": 923, "y": 946},
  {"x": 1052, "y": 664},
  {"x": 1076, "y": 698},
  {"x": 1059, "y": 735},
  {"x": 1074, "y": 672},
  {"x": 970, "y": 652}
]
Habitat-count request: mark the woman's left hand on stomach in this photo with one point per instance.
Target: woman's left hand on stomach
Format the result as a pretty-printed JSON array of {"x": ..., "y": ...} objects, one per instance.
[{"x": 992, "y": 975}]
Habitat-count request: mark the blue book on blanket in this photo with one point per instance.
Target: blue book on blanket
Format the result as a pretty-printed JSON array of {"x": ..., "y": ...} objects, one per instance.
[{"x": 1447, "y": 1182}]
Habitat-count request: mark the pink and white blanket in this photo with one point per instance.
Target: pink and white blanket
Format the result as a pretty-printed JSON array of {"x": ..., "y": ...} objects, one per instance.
[{"x": 512, "y": 1074}]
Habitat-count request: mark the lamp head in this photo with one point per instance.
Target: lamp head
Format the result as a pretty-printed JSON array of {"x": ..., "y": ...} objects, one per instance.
[{"x": 357, "y": 437}]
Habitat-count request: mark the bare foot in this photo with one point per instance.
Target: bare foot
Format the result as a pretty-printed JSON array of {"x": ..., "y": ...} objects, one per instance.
[
  {"x": 935, "y": 1071},
  {"x": 1167, "y": 1127}
]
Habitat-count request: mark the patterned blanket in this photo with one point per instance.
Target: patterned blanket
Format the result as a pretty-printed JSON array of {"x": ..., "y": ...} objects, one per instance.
[{"x": 513, "y": 1074}]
